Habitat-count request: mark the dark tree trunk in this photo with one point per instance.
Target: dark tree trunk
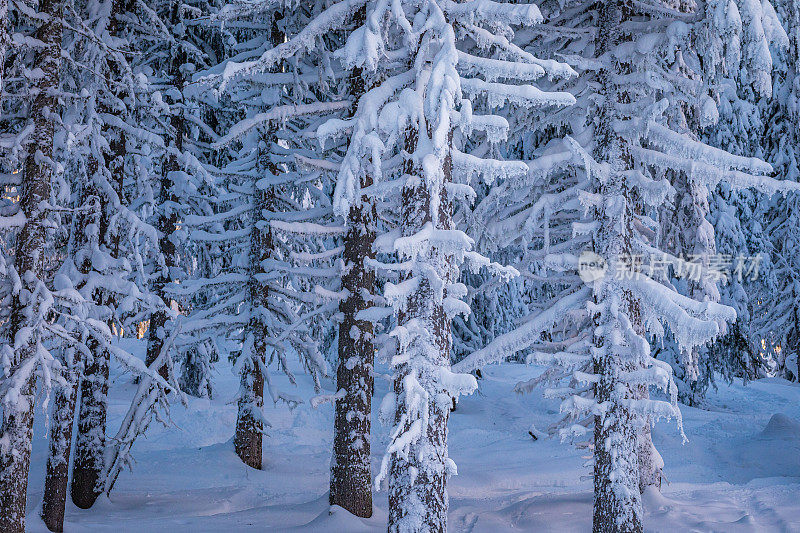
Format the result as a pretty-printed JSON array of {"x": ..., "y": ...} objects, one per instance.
[
  {"x": 196, "y": 372},
  {"x": 249, "y": 428},
  {"x": 351, "y": 477},
  {"x": 55, "y": 481},
  {"x": 249, "y": 433},
  {"x": 17, "y": 427},
  {"x": 351, "y": 473},
  {"x": 88, "y": 464}
]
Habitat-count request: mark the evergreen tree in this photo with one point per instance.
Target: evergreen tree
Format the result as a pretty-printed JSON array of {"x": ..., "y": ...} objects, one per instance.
[
  {"x": 593, "y": 225},
  {"x": 263, "y": 303},
  {"x": 776, "y": 325},
  {"x": 23, "y": 353},
  {"x": 351, "y": 471}
]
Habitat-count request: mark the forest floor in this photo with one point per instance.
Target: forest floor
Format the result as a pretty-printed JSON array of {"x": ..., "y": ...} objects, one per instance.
[{"x": 739, "y": 470}]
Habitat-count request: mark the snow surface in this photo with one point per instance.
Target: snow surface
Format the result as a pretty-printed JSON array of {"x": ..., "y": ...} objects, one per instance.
[{"x": 740, "y": 470}]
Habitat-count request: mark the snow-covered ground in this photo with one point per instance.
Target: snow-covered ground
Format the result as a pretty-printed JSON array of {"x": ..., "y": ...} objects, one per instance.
[{"x": 740, "y": 470}]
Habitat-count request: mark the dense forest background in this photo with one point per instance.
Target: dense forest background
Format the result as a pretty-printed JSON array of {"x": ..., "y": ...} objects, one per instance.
[{"x": 606, "y": 189}]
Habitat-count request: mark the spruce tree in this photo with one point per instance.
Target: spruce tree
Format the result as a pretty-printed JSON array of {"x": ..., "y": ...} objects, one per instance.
[{"x": 23, "y": 353}]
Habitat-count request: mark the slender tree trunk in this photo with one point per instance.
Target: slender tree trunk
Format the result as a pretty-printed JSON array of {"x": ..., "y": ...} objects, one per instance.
[
  {"x": 88, "y": 464},
  {"x": 168, "y": 218},
  {"x": 249, "y": 428},
  {"x": 418, "y": 480},
  {"x": 650, "y": 462},
  {"x": 248, "y": 439},
  {"x": 17, "y": 424},
  {"x": 55, "y": 481},
  {"x": 196, "y": 372},
  {"x": 351, "y": 473},
  {"x": 249, "y": 431}
]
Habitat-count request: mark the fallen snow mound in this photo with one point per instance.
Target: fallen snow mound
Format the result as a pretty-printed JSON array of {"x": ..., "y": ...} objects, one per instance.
[{"x": 781, "y": 426}]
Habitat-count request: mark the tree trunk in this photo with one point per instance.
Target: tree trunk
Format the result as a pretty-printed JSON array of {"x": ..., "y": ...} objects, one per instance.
[
  {"x": 196, "y": 372},
  {"x": 168, "y": 218},
  {"x": 249, "y": 432},
  {"x": 418, "y": 480},
  {"x": 17, "y": 425},
  {"x": 351, "y": 473},
  {"x": 55, "y": 481},
  {"x": 650, "y": 462},
  {"x": 617, "y": 502},
  {"x": 617, "y": 505},
  {"x": 15, "y": 462},
  {"x": 88, "y": 463},
  {"x": 249, "y": 426}
]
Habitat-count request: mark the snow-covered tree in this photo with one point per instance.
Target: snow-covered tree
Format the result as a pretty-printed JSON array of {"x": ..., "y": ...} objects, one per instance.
[
  {"x": 420, "y": 115},
  {"x": 593, "y": 235},
  {"x": 332, "y": 255},
  {"x": 178, "y": 48},
  {"x": 733, "y": 43},
  {"x": 112, "y": 241},
  {"x": 776, "y": 324},
  {"x": 26, "y": 296},
  {"x": 263, "y": 302},
  {"x": 88, "y": 241},
  {"x": 405, "y": 136}
]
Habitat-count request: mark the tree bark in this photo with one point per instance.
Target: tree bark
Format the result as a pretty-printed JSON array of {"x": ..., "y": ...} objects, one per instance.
[
  {"x": 56, "y": 478},
  {"x": 418, "y": 480},
  {"x": 88, "y": 464},
  {"x": 249, "y": 427},
  {"x": 650, "y": 463},
  {"x": 351, "y": 473},
  {"x": 249, "y": 434},
  {"x": 17, "y": 425},
  {"x": 617, "y": 502}
]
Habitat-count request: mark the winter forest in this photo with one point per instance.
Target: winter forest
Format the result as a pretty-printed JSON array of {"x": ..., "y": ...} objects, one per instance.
[{"x": 424, "y": 265}]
